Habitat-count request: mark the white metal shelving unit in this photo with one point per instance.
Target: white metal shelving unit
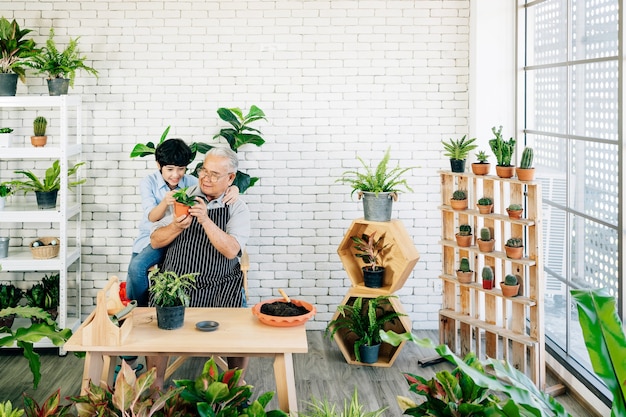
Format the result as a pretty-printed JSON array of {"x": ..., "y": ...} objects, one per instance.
[{"x": 65, "y": 219}]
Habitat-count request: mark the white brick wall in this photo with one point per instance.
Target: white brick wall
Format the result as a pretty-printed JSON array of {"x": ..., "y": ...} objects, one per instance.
[{"x": 336, "y": 79}]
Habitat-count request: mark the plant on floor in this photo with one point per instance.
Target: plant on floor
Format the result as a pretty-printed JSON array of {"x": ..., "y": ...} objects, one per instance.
[
  {"x": 370, "y": 249},
  {"x": 605, "y": 340},
  {"x": 323, "y": 408},
  {"x": 51, "y": 181},
  {"x": 241, "y": 133},
  {"x": 382, "y": 179},
  {"x": 51, "y": 406},
  {"x": 219, "y": 394},
  {"x": 25, "y": 337},
  {"x": 502, "y": 149},
  {"x": 15, "y": 50},
  {"x": 7, "y": 410},
  {"x": 364, "y": 319},
  {"x": 469, "y": 391},
  {"x": 57, "y": 63}
]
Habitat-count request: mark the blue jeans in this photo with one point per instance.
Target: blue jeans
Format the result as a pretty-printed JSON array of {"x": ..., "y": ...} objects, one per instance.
[{"x": 137, "y": 279}]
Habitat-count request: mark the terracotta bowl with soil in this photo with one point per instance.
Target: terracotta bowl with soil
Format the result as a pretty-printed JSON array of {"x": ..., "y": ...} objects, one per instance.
[{"x": 279, "y": 313}]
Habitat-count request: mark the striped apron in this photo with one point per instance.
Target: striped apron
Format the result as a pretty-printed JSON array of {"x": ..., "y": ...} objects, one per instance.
[{"x": 220, "y": 280}]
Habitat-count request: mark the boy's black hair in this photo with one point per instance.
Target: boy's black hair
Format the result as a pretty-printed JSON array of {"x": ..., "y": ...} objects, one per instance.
[{"x": 173, "y": 152}]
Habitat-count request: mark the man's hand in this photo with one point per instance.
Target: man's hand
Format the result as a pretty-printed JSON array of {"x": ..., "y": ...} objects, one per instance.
[
  {"x": 182, "y": 222},
  {"x": 169, "y": 200},
  {"x": 199, "y": 211}
]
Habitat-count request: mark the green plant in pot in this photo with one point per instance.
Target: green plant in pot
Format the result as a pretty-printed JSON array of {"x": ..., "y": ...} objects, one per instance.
[
  {"x": 459, "y": 200},
  {"x": 6, "y": 137},
  {"x": 458, "y": 150},
  {"x": 514, "y": 248},
  {"x": 60, "y": 65},
  {"x": 362, "y": 321},
  {"x": 45, "y": 295},
  {"x": 5, "y": 191},
  {"x": 168, "y": 292},
  {"x": 481, "y": 166},
  {"x": 47, "y": 187},
  {"x": 464, "y": 236},
  {"x": 15, "y": 52},
  {"x": 239, "y": 134},
  {"x": 39, "y": 138},
  {"x": 371, "y": 251},
  {"x": 485, "y": 242},
  {"x": 485, "y": 205},
  {"x": 525, "y": 171},
  {"x": 487, "y": 276},
  {"x": 183, "y": 202},
  {"x": 464, "y": 274},
  {"x": 379, "y": 187},
  {"x": 10, "y": 296},
  {"x": 510, "y": 286},
  {"x": 503, "y": 150}
]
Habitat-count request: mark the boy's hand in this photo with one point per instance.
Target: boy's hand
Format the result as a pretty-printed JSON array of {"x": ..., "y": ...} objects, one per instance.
[
  {"x": 231, "y": 195},
  {"x": 169, "y": 200}
]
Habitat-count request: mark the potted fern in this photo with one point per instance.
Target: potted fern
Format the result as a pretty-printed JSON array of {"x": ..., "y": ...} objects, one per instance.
[
  {"x": 363, "y": 320},
  {"x": 378, "y": 187},
  {"x": 168, "y": 292},
  {"x": 371, "y": 250}
]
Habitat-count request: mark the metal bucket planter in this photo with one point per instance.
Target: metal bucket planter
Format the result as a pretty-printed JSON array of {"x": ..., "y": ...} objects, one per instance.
[
  {"x": 58, "y": 86},
  {"x": 8, "y": 84},
  {"x": 4, "y": 247},
  {"x": 377, "y": 206},
  {"x": 170, "y": 318},
  {"x": 46, "y": 199}
]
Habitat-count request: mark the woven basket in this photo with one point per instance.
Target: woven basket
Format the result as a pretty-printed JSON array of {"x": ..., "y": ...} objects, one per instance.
[{"x": 47, "y": 251}]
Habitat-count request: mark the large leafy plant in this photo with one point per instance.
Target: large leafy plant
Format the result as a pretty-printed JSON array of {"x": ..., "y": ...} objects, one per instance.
[
  {"x": 381, "y": 179},
  {"x": 219, "y": 394},
  {"x": 49, "y": 182},
  {"x": 323, "y": 408},
  {"x": 58, "y": 63},
  {"x": 15, "y": 50},
  {"x": 240, "y": 133},
  {"x": 604, "y": 337},
  {"x": 464, "y": 392},
  {"x": 364, "y": 319}
]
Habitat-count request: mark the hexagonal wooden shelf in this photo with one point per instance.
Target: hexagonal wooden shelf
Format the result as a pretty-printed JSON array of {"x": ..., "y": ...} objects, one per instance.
[
  {"x": 388, "y": 353},
  {"x": 399, "y": 259}
]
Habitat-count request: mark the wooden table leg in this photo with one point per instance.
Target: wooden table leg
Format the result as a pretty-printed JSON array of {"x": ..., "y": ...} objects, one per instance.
[
  {"x": 93, "y": 369},
  {"x": 285, "y": 382}
]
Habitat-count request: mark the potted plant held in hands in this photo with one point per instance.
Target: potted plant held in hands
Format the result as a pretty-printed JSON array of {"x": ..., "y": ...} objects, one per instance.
[
  {"x": 370, "y": 250},
  {"x": 503, "y": 150},
  {"x": 363, "y": 321},
  {"x": 379, "y": 187},
  {"x": 46, "y": 188},
  {"x": 457, "y": 150},
  {"x": 183, "y": 202},
  {"x": 169, "y": 294},
  {"x": 60, "y": 66}
]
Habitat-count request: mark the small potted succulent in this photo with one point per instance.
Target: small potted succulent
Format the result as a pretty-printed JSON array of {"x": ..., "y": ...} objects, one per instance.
[
  {"x": 39, "y": 138},
  {"x": 371, "y": 251},
  {"x": 515, "y": 210},
  {"x": 183, "y": 202},
  {"x": 458, "y": 150},
  {"x": 481, "y": 166},
  {"x": 514, "y": 248},
  {"x": 459, "y": 200},
  {"x": 525, "y": 171},
  {"x": 464, "y": 237},
  {"x": 487, "y": 275},
  {"x": 464, "y": 274},
  {"x": 486, "y": 243},
  {"x": 485, "y": 205},
  {"x": 6, "y": 137},
  {"x": 510, "y": 286},
  {"x": 168, "y": 292},
  {"x": 503, "y": 150}
]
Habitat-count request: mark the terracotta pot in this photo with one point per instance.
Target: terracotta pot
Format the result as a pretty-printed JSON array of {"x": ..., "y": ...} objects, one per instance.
[
  {"x": 509, "y": 290},
  {"x": 486, "y": 246},
  {"x": 180, "y": 209},
  {"x": 480, "y": 169},
  {"x": 463, "y": 241},
  {"x": 514, "y": 253},
  {"x": 39, "y": 141},
  {"x": 458, "y": 204},
  {"x": 505, "y": 172},
  {"x": 487, "y": 284},
  {"x": 515, "y": 214},
  {"x": 525, "y": 174},
  {"x": 465, "y": 277},
  {"x": 485, "y": 209}
]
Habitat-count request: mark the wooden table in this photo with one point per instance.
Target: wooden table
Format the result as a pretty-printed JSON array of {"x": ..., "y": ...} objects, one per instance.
[{"x": 239, "y": 334}]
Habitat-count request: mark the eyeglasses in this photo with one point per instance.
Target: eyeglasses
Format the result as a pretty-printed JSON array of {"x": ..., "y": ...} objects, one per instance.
[{"x": 213, "y": 176}]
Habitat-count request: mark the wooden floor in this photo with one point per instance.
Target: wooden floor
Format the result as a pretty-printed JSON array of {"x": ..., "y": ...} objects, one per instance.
[{"x": 321, "y": 373}]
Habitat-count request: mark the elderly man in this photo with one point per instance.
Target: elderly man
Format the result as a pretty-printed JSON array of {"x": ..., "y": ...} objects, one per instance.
[{"x": 208, "y": 240}]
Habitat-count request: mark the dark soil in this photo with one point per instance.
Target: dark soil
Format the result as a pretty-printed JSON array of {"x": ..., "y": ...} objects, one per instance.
[{"x": 282, "y": 309}]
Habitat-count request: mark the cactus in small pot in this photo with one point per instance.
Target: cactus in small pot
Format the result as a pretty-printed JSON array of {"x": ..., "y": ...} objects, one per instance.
[
  {"x": 464, "y": 237},
  {"x": 515, "y": 210},
  {"x": 459, "y": 195},
  {"x": 465, "y": 230},
  {"x": 514, "y": 248},
  {"x": 487, "y": 274},
  {"x": 464, "y": 274},
  {"x": 464, "y": 265},
  {"x": 485, "y": 234},
  {"x": 514, "y": 242},
  {"x": 510, "y": 286},
  {"x": 485, "y": 243},
  {"x": 510, "y": 279},
  {"x": 39, "y": 126},
  {"x": 525, "y": 171},
  {"x": 459, "y": 200},
  {"x": 485, "y": 205}
]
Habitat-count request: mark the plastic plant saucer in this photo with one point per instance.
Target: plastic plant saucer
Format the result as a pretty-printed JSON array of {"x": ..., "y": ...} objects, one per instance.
[{"x": 207, "y": 326}]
